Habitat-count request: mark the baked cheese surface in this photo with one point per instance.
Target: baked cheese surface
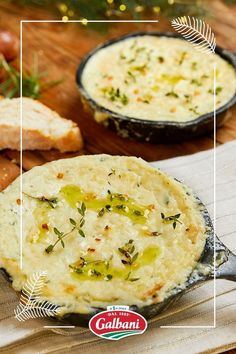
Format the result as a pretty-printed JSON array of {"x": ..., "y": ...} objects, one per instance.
[
  {"x": 157, "y": 78},
  {"x": 107, "y": 229}
]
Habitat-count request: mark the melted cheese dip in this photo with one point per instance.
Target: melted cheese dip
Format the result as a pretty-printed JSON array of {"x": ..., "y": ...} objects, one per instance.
[
  {"x": 108, "y": 230},
  {"x": 157, "y": 78}
]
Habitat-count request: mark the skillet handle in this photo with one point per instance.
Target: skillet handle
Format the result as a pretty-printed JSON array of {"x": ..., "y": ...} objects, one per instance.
[{"x": 227, "y": 270}]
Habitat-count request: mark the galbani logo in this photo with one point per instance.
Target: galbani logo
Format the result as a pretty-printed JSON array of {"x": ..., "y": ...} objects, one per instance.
[{"x": 117, "y": 322}]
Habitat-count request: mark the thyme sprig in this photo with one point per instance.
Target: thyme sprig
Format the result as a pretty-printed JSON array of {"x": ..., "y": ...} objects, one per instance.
[
  {"x": 171, "y": 219},
  {"x": 52, "y": 202},
  {"x": 75, "y": 226},
  {"x": 82, "y": 263},
  {"x": 127, "y": 251}
]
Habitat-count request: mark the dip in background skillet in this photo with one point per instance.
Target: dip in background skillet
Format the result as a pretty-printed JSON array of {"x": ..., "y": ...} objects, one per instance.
[
  {"x": 168, "y": 94},
  {"x": 157, "y": 78}
]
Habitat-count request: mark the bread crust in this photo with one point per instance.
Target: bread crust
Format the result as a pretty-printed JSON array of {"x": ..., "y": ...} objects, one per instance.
[{"x": 33, "y": 139}]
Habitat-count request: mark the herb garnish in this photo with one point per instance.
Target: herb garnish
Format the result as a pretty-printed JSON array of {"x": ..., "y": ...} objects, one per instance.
[
  {"x": 75, "y": 226},
  {"x": 80, "y": 266},
  {"x": 114, "y": 95},
  {"x": 194, "y": 110},
  {"x": 113, "y": 172},
  {"x": 51, "y": 201},
  {"x": 127, "y": 251},
  {"x": 170, "y": 219},
  {"x": 182, "y": 58},
  {"x": 196, "y": 82},
  {"x": 32, "y": 80},
  {"x": 172, "y": 94},
  {"x": 161, "y": 60},
  {"x": 218, "y": 90}
]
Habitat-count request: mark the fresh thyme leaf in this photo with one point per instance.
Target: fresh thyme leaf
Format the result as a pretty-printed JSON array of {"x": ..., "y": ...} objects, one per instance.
[
  {"x": 155, "y": 233},
  {"x": 170, "y": 219},
  {"x": 134, "y": 258},
  {"x": 51, "y": 201},
  {"x": 101, "y": 212},
  {"x": 82, "y": 209},
  {"x": 49, "y": 249},
  {"x": 134, "y": 279},
  {"x": 81, "y": 232},
  {"x": 196, "y": 82},
  {"x": 113, "y": 172},
  {"x": 82, "y": 223},
  {"x": 137, "y": 212},
  {"x": 108, "y": 277},
  {"x": 127, "y": 278},
  {"x": 72, "y": 221},
  {"x": 172, "y": 94},
  {"x": 57, "y": 232}
]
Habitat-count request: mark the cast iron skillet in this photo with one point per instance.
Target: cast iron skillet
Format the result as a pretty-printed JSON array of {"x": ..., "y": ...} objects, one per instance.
[
  {"x": 153, "y": 131},
  {"x": 225, "y": 262}
]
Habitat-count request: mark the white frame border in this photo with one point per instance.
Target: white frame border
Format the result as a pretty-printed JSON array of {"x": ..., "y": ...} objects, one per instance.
[{"x": 21, "y": 152}]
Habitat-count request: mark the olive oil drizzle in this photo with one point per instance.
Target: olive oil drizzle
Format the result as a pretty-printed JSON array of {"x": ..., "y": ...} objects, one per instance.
[
  {"x": 98, "y": 270},
  {"x": 114, "y": 202}
]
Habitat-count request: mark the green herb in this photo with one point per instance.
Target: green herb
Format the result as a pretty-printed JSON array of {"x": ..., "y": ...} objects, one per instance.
[
  {"x": 133, "y": 279},
  {"x": 194, "y": 110},
  {"x": 196, "y": 82},
  {"x": 218, "y": 90},
  {"x": 194, "y": 65},
  {"x": 60, "y": 237},
  {"x": 155, "y": 233},
  {"x": 127, "y": 251},
  {"x": 94, "y": 272},
  {"x": 101, "y": 212},
  {"x": 122, "y": 56},
  {"x": 32, "y": 84},
  {"x": 139, "y": 68},
  {"x": 51, "y": 201},
  {"x": 171, "y": 219},
  {"x": 113, "y": 172},
  {"x": 161, "y": 60},
  {"x": 172, "y": 94},
  {"x": 114, "y": 95},
  {"x": 137, "y": 212},
  {"x": 75, "y": 226},
  {"x": 188, "y": 98},
  {"x": 182, "y": 58},
  {"x": 108, "y": 277}
]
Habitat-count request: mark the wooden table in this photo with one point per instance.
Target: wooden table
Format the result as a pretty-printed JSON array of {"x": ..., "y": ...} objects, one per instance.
[{"x": 60, "y": 48}]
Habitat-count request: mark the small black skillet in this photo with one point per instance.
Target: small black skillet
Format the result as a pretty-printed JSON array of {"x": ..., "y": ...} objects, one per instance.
[
  {"x": 225, "y": 268},
  {"x": 154, "y": 131}
]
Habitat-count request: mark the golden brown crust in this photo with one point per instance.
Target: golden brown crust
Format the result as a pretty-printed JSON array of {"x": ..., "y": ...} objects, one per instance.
[{"x": 35, "y": 140}]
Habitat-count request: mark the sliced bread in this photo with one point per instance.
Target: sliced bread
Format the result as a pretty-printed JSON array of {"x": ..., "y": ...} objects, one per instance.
[{"x": 42, "y": 128}]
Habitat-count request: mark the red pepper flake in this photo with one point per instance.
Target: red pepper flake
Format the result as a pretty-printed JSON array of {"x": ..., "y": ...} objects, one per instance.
[
  {"x": 45, "y": 226},
  {"x": 106, "y": 228},
  {"x": 18, "y": 201},
  {"x": 98, "y": 239},
  {"x": 60, "y": 175},
  {"x": 151, "y": 207},
  {"x": 91, "y": 250}
]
